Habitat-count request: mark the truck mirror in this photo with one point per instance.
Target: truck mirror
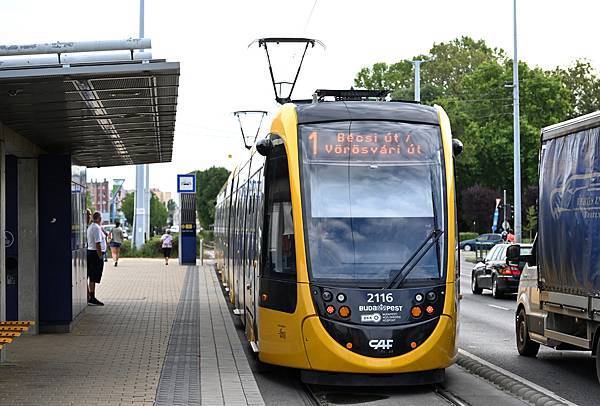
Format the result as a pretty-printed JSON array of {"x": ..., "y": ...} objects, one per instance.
[{"x": 513, "y": 253}]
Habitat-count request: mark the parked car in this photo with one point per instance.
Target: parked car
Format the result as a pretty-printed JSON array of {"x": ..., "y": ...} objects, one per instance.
[
  {"x": 495, "y": 273},
  {"x": 484, "y": 242}
]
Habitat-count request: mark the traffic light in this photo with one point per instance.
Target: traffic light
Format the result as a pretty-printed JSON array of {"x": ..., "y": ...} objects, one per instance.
[{"x": 509, "y": 211}]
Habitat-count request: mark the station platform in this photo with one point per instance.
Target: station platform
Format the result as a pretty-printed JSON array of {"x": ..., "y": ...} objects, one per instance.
[{"x": 164, "y": 337}]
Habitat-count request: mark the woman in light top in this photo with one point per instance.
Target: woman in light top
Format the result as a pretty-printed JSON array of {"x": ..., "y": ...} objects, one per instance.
[
  {"x": 167, "y": 244},
  {"x": 116, "y": 240}
]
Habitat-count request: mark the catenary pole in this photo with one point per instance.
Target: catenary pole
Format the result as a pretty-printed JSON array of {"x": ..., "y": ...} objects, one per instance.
[
  {"x": 140, "y": 215},
  {"x": 517, "y": 130}
]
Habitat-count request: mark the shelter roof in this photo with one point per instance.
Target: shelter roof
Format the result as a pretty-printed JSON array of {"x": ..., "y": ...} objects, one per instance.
[{"x": 103, "y": 114}]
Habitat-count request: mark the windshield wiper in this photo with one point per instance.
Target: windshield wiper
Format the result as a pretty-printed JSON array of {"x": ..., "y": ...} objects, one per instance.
[{"x": 414, "y": 259}]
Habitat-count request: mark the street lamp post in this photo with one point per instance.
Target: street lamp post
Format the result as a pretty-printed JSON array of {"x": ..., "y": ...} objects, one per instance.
[
  {"x": 516, "y": 131},
  {"x": 417, "y": 64}
]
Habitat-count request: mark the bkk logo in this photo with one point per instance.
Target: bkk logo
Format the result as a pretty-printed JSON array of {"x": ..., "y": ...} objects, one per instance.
[
  {"x": 375, "y": 317},
  {"x": 381, "y": 344}
]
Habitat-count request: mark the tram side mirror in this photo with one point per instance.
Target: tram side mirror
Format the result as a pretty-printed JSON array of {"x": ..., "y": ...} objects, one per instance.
[
  {"x": 513, "y": 253},
  {"x": 457, "y": 147},
  {"x": 264, "y": 146}
]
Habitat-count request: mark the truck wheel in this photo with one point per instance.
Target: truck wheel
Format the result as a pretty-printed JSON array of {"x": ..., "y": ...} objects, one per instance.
[
  {"x": 474, "y": 288},
  {"x": 495, "y": 291},
  {"x": 525, "y": 345},
  {"x": 467, "y": 248}
]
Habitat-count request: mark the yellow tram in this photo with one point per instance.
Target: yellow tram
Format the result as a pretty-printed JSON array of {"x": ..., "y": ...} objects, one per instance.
[{"x": 336, "y": 240}]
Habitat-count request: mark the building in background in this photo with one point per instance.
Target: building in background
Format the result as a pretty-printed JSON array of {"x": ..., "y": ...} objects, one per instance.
[
  {"x": 100, "y": 197},
  {"x": 164, "y": 197}
]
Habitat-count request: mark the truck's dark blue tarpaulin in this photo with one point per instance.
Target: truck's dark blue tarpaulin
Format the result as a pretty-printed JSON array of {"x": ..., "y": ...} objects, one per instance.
[{"x": 569, "y": 214}]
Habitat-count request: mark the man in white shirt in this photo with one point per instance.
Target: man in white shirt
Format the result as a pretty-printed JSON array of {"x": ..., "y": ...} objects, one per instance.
[{"x": 96, "y": 246}]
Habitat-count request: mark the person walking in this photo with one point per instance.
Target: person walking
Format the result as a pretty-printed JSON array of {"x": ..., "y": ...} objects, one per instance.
[
  {"x": 96, "y": 246},
  {"x": 116, "y": 240},
  {"x": 167, "y": 245},
  {"x": 510, "y": 237}
]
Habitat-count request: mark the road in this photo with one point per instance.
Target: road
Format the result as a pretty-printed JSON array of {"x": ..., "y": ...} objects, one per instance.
[{"x": 487, "y": 330}]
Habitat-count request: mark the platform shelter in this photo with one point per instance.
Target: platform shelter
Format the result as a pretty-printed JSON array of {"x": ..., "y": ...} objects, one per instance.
[{"x": 66, "y": 107}]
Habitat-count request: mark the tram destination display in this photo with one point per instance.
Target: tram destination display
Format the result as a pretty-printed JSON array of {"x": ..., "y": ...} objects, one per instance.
[{"x": 370, "y": 142}]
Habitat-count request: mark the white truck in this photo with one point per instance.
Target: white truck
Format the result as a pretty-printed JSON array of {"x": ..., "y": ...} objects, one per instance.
[{"x": 558, "y": 302}]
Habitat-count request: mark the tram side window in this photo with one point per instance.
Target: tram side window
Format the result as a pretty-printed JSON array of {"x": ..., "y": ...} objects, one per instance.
[{"x": 281, "y": 249}]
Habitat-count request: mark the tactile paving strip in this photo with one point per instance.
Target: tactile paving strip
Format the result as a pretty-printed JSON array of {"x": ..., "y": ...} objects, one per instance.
[{"x": 180, "y": 376}]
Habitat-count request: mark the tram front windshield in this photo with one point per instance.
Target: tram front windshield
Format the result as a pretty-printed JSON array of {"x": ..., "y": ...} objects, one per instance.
[{"x": 372, "y": 195}]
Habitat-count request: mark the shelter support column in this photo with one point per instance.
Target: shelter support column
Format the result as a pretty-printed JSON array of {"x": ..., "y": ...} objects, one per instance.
[
  {"x": 28, "y": 255},
  {"x": 2, "y": 227}
]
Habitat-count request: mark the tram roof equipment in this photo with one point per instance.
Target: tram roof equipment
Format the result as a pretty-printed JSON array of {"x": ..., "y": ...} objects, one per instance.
[
  {"x": 103, "y": 109},
  {"x": 278, "y": 86},
  {"x": 239, "y": 114},
  {"x": 350, "y": 95}
]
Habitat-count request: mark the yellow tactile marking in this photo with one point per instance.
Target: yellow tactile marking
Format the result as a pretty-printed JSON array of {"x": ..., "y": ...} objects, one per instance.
[
  {"x": 14, "y": 328},
  {"x": 10, "y": 333},
  {"x": 26, "y": 323}
]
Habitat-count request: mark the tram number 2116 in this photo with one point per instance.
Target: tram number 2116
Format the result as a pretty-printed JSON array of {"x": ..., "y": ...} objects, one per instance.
[{"x": 380, "y": 297}]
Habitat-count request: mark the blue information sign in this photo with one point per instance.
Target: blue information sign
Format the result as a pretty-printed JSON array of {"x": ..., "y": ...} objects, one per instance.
[{"x": 186, "y": 183}]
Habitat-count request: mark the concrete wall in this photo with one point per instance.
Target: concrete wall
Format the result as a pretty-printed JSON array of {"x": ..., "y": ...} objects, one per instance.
[
  {"x": 28, "y": 241},
  {"x": 27, "y": 153}
]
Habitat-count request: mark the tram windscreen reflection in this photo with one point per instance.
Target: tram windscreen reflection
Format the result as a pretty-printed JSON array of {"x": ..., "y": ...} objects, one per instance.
[{"x": 368, "y": 206}]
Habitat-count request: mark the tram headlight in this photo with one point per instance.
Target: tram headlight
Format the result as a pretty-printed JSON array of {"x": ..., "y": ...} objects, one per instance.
[
  {"x": 416, "y": 312},
  {"x": 344, "y": 311},
  {"x": 431, "y": 296},
  {"x": 341, "y": 297},
  {"x": 429, "y": 309},
  {"x": 330, "y": 309},
  {"x": 327, "y": 295},
  {"x": 419, "y": 297}
]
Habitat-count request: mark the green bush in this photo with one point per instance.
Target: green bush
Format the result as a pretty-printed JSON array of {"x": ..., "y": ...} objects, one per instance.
[
  {"x": 467, "y": 236},
  {"x": 126, "y": 249},
  {"x": 207, "y": 235},
  {"x": 151, "y": 249}
]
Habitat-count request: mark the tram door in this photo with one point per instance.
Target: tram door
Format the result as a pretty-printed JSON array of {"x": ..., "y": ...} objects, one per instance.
[
  {"x": 278, "y": 270},
  {"x": 255, "y": 185},
  {"x": 231, "y": 238}
]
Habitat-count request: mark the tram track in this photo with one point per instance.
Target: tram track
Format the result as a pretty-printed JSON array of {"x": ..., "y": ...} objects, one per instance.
[{"x": 317, "y": 395}]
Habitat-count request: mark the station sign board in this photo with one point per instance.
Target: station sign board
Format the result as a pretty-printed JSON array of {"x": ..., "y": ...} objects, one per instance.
[{"x": 186, "y": 183}]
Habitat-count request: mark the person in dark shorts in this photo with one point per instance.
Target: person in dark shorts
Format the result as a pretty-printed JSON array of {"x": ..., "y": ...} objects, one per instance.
[
  {"x": 116, "y": 239},
  {"x": 167, "y": 245},
  {"x": 96, "y": 246}
]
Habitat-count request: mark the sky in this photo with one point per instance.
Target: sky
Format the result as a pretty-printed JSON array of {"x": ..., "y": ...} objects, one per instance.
[{"x": 220, "y": 74}]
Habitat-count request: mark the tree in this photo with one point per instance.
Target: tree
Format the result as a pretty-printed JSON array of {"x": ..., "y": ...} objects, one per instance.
[
  {"x": 88, "y": 201},
  {"x": 209, "y": 183},
  {"x": 584, "y": 86},
  {"x": 477, "y": 205},
  {"x": 158, "y": 211},
  {"x": 448, "y": 63},
  {"x": 127, "y": 207},
  {"x": 171, "y": 208},
  {"x": 473, "y": 82},
  {"x": 531, "y": 221}
]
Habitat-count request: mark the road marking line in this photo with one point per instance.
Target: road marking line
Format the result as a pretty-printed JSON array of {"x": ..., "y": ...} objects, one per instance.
[
  {"x": 498, "y": 307},
  {"x": 516, "y": 377}
]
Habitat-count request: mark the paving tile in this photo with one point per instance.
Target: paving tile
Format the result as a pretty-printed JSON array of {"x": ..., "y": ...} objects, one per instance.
[
  {"x": 159, "y": 329},
  {"x": 114, "y": 354}
]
